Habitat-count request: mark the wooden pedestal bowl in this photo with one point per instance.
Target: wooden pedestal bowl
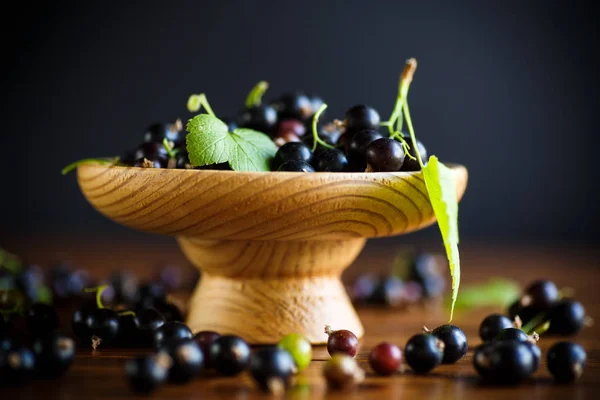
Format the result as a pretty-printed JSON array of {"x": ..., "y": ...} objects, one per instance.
[{"x": 271, "y": 246}]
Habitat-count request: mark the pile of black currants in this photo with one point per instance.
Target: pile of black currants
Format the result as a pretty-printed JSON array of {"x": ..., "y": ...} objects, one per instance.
[
  {"x": 180, "y": 358},
  {"x": 542, "y": 303},
  {"x": 411, "y": 279},
  {"x": 352, "y": 145}
]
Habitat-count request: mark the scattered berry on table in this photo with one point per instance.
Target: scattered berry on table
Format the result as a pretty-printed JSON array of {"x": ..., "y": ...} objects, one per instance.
[
  {"x": 567, "y": 317},
  {"x": 54, "y": 354},
  {"x": 342, "y": 372},
  {"x": 103, "y": 323},
  {"x": 341, "y": 341},
  {"x": 566, "y": 361},
  {"x": 42, "y": 319},
  {"x": 205, "y": 339},
  {"x": 513, "y": 334},
  {"x": 385, "y": 358},
  {"x": 271, "y": 367},
  {"x": 299, "y": 348},
  {"x": 506, "y": 362},
  {"x": 17, "y": 366},
  {"x": 171, "y": 332},
  {"x": 230, "y": 355},
  {"x": 492, "y": 325},
  {"x": 187, "y": 360},
  {"x": 540, "y": 294},
  {"x": 455, "y": 342},
  {"x": 423, "y": 352},
  {"x": 147, "y": 373}
]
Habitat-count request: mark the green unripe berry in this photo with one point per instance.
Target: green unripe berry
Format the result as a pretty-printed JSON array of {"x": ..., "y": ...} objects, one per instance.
[{"x": 299, "y": 348}]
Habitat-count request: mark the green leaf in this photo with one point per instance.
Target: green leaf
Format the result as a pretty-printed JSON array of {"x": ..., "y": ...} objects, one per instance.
[
  {"x": 496, "y": 292},
  {"x": 441, "y": 187},
  {"x": 97, "y": 161},
  {"x": 251, "y": 151},
  {"x": 207, "y": 141}
]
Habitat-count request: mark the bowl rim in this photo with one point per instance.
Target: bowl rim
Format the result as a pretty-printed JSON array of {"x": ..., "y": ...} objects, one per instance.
[{"x": 452, "y": 166}]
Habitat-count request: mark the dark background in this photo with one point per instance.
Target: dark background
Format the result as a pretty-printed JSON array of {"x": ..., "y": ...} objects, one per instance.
[{"x": 507, "y": 88}]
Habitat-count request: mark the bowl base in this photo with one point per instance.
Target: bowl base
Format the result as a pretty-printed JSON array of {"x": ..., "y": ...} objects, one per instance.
[{"x": 264, "y": 290}]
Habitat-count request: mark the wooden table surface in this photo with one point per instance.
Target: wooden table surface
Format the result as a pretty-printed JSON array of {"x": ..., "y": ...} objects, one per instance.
[{"x": 100, "y": 375}]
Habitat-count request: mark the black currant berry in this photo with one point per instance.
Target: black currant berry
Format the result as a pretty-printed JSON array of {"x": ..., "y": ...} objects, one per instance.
[
  {"x": 42, "y": 319},
  {"x": 413, "y": 164},
  {"x": 17, "y": 366},
  {"x": 329, "y": 160},
  {"x": 150, "y": 294},
  {"x": 424, "y": 352},
  {"x": 294, "y": 106},
  {"x": 525, "y": 314},
  {"x": 262, "y": 118},
  {"x": 455, "y": 342},
  {"x": 147, "y": 321},
  {"x": 231, "y": 123},
  {"x": 229, "y": 355},
  {"x": 151, "y": 151},
  {"x": 540, "y": 294},
  {"x": 389, "y": 291},
  {"x": 129, "y": 333},
  {"x": 125, "y": 286},
  {"x": 271, "y": 368},
  {"x": 147, "y": 373},
  {"x": 205, "y": 339},
  {"x": 187, "y": 359},
  {"x": 54, "y": 354},
  {"x": 342, "y": 372},
  {"x": 170, "y": 311},
  {"x": 358, "y": 143},
  {"x": 567, "y": 317},
  {"x": 182, "y": 160},
  {"x": 296, "y": 166},
  {"x": 506, "y": 362},
  {"x": 159, "y": 131},
  {"x": 536, "y": 351},
  {"x": 384, "y": 155},
  {"x": 103, "y": 323},
  {"x": 29, "y": 280},
  {"x": 80, "y": 326},
  {"x": 566, "y": 361},
  {"x": 492, "y": 325},
  {"x": 171, "y": 332},
  {"x": 512, "y": 334},
  {"x": 362, "y": 117},
  {"x": 293, "y": 151}
]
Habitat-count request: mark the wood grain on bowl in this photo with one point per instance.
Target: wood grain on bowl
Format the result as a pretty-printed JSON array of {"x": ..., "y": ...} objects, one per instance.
[{"x": 271, "y": 246}]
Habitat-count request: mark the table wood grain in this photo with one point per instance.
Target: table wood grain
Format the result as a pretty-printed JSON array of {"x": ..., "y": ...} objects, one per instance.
[{"x": 100, "y": 375}]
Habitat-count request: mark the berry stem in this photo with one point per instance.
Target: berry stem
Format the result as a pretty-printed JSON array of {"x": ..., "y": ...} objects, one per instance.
[
  {"x": 316, "y": 139},
  {"x": 534, "y": 323},
  {"x": 198, "y": 101},
  {"x": 254, "y": 98},
  {"x": 122, "y": 314},
  {"x": 169, "y": 148},
  {"x": 98, "y": 291},
  {"x": 328, "y": 330}
]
